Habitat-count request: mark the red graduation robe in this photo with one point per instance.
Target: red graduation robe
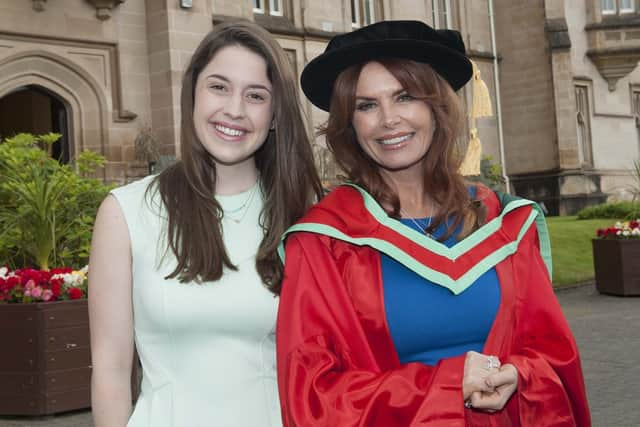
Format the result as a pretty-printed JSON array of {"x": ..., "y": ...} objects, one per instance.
[{"x": 337, "y": 365}]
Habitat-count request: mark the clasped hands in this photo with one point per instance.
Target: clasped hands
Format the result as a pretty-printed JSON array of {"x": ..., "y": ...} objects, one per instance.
[{"x": 487, "y": 385}]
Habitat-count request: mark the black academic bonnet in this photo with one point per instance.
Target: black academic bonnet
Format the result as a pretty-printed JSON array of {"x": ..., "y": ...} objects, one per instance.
[{"x": 442, "y": 49}]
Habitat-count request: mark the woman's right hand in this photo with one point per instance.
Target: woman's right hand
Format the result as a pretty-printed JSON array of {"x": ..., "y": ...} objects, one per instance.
[{"x": 477, "y": 367}]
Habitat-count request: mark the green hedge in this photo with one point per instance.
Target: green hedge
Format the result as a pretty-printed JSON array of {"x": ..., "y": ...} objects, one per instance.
[{"x": 617, "y": 210}]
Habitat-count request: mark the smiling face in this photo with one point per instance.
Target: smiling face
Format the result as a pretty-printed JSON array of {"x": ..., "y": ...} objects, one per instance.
[
  {"x": 233, "y": 106},
  {"x": 392, "y": 127}
]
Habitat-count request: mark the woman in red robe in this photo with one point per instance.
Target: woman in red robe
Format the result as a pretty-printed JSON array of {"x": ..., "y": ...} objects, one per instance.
[{"x": 410, "y": 297}]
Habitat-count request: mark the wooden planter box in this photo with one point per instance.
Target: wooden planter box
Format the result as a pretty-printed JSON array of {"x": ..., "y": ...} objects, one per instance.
[
  {"x": 617, "y": 266},
  {"x": 45, "y": 361}
]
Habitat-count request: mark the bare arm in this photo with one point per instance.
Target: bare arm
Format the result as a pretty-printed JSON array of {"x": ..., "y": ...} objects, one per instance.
[{"x": 111, "y": 317}]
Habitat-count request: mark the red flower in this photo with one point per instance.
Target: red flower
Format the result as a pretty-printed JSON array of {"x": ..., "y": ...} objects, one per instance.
[
  {"x": 74, "y": 293},
  {"x": 38, "y": 276},
  {"x": 57, "y": 281},
  {"x": 62, "y": 270},
  {"x": 12, "y": 282},
  {"x": 612, "y": 231},
  {"x": 56, "y": 289}
]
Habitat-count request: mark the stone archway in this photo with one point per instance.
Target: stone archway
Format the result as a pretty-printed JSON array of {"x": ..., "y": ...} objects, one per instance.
[
  {"x": 36, "y": 110},
  {"x": 83, "y": 99}
]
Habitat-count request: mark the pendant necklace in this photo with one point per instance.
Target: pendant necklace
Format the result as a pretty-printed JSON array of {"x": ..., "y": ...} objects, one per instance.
[
  {"x": 417, "y": 224},
  {"x": 243, "y": 208}
]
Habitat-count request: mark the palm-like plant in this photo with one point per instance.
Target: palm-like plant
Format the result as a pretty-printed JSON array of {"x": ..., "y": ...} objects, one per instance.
[{"x": 46, "y": 209}]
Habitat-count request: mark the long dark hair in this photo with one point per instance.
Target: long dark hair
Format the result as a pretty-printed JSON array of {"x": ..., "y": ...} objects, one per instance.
[
  {"x": 441, "y": 178},
  {"x": 288, "y": 177}
]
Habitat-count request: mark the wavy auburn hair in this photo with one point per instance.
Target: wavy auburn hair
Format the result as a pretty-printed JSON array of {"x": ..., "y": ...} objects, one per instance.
[
  {"x": 442, "y": 161},
  {"x": 288, "y": 177}
]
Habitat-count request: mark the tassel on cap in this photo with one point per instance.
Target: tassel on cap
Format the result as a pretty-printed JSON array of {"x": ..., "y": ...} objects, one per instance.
[
  {"x": 480, "y": 107},
  {"x": 471, "y": 164},
  {"x": 481, "y": 101}
]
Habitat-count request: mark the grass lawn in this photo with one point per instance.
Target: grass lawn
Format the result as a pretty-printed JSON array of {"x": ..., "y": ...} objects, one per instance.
[{"x": 571, "y": 248}]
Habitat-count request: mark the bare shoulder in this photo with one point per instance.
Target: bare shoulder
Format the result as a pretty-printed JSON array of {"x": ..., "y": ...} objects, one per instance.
[
  {"x": 110, "y": 232},
  {"x": 110, "y": 216}
]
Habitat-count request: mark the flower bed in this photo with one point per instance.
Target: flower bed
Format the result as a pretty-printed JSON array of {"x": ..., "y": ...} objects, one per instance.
[
  {"x": 28, "y": 285},
  {"x": 616, "y": 252},
  {"x": 45, "y": 365},
  {"x": 621, "y": 230}
]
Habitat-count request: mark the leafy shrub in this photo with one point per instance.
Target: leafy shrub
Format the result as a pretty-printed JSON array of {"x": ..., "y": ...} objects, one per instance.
[
  {"x": 617, "y": 210},
  {"x": 490, "y": 174},
  {"x": 46, "y": 209}
]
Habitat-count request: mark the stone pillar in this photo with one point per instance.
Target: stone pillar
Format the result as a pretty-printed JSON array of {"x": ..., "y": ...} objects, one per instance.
[
  {"x": 563, "y": 90},
  {"x": 173, "y": 34}
]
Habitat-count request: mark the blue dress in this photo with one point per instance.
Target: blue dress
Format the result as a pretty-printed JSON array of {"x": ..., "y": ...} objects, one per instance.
[{"x": 427, "y": 321}]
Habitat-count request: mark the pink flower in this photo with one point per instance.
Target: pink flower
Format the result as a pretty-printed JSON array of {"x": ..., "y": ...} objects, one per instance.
[
  {"x": 36, "y": 292},
  {"x": 29, "y": 287},
  {"x": 46, "y": 295}
]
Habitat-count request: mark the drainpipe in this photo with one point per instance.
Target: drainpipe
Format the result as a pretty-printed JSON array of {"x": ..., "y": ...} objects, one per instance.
[{"x": 496, "y": 82}]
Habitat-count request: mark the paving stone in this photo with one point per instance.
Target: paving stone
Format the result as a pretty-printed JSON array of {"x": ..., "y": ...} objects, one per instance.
[{"x": 607, "y": 330}]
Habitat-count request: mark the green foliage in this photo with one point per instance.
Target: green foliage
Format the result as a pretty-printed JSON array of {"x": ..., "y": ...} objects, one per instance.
[
  {"x": 46, "y": 209},
  {"x": 490, "y": 174},
  {"x": 617, "y": 210},
  {"x": 89, "y": 161}
]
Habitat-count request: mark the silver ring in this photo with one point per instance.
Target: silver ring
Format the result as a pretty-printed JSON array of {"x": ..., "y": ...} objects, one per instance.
[
  {"x": 492, "y": 362},
  {"x": 467, "y": 404}
]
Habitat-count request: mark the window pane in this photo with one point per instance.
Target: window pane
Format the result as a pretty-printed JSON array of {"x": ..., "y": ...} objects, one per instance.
[
  {"x": 355, "y": 15},
  {"x": 583, "y": 124},
  {"x": 276, "y": 7},
  {"x": 369, "y": 12},
  {"x": 627, "y": 6},
  {"x": 441, "y": 14},
  {"x": 257, "y": 6},
  {"x": 608, "y": 6},
  {"x": 636, "y": 103},
  {"x": 443, "y": 8}
]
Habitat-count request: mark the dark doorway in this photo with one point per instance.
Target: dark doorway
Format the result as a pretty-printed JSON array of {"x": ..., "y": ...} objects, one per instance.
[{"x": 34, "y": 109}]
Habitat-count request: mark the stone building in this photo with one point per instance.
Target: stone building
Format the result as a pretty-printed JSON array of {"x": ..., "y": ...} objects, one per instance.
[
  {"x": 561, "y": 74},
  {"x": 570, "y": 98}
]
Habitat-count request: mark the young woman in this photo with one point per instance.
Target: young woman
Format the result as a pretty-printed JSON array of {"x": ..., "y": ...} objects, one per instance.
[
  {"x": 185, "y": 263},
  {"x": 410, "y": 297}
]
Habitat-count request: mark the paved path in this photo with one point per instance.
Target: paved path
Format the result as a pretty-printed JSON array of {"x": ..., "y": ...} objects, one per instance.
[
  {"x": 608, "y": 333},
  {"x": 607, "y": 330}
]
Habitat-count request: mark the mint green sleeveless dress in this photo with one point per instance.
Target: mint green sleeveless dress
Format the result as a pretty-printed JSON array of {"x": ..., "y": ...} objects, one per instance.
[{"x": 207, "y": 350}]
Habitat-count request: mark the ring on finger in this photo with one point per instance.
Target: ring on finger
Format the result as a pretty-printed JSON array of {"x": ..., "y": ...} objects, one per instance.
[
  {"x": 492, "y": 362},
  {"x": 467, "y": 404}
]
